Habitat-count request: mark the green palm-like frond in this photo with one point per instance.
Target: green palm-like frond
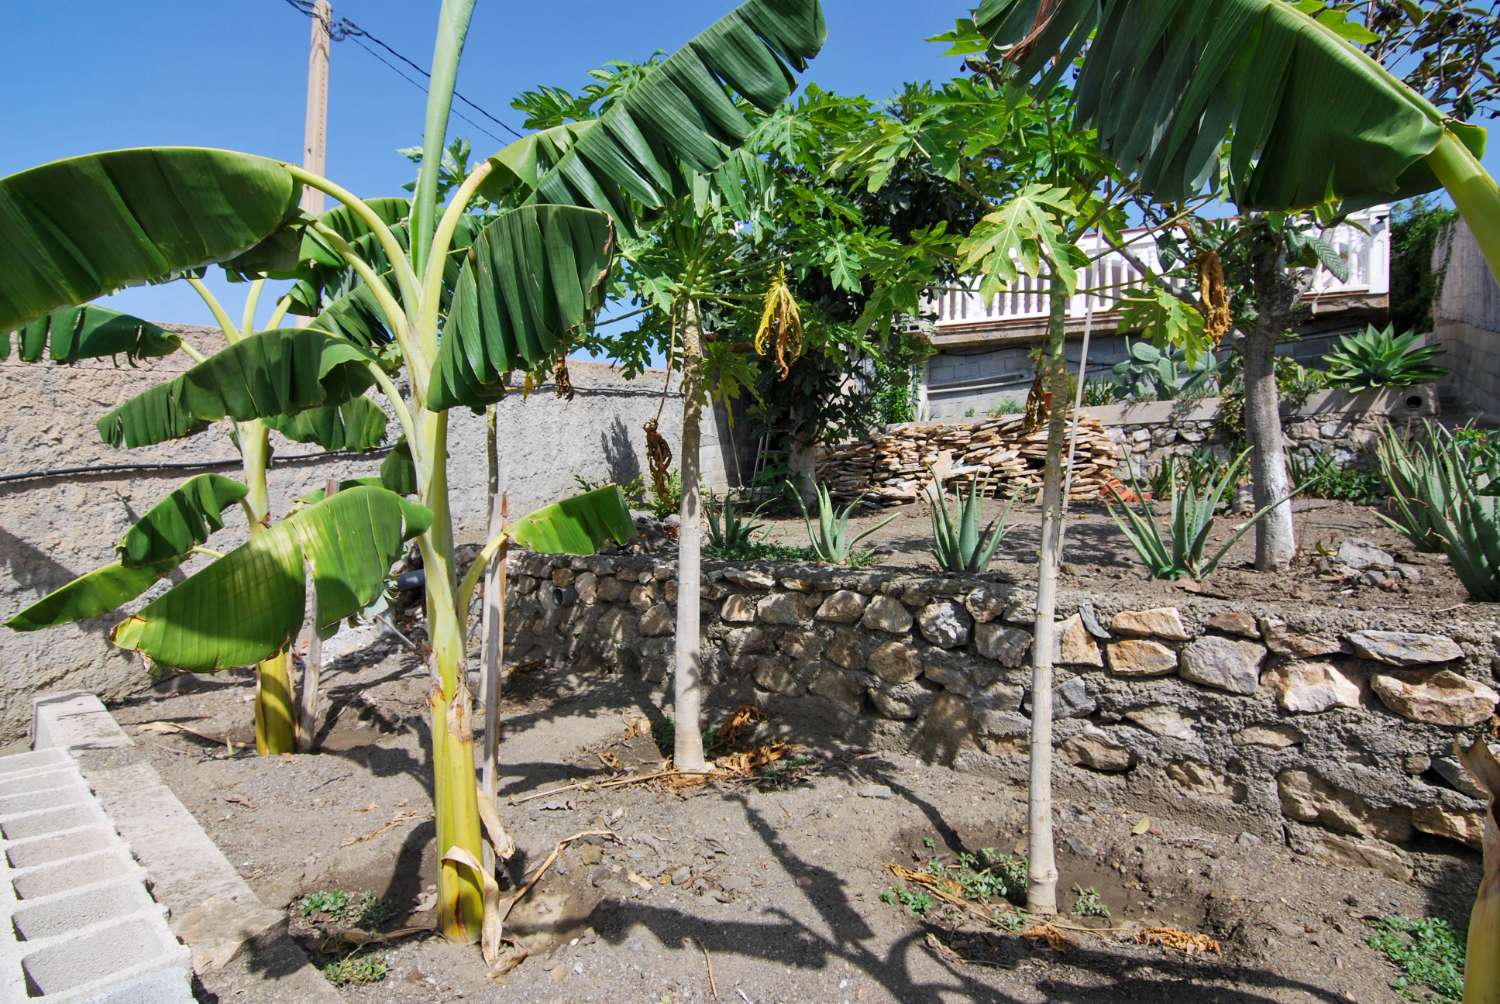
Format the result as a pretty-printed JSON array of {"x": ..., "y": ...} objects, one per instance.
[{"x": 70, "y": 334}]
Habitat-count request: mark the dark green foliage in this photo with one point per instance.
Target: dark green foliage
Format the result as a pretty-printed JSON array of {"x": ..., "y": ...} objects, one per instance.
[
  {"x": 1319, "y": 474},
  {"x": 1378, "y": 357},
  {"x": 1149, "y": 373},
  {"x": 1415, "y": 277}
]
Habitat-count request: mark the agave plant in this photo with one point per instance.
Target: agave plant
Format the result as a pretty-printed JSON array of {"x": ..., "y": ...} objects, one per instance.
[
  {"x": 957, "y": 542},
  {"x": 530, "y": 279},
  {"x": 1378, "y": 357},
  {"x": 1178, "y": 551},
  {"x": 730, "y": 531},
  {"x": 829, "y": 539}
]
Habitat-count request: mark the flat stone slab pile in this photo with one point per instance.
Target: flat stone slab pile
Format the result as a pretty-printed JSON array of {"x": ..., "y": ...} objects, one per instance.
[{"x": 79, "y": 924}]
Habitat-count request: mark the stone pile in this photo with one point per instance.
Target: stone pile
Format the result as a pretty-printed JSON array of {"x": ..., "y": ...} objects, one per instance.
[
  {"x": 894, "y": 468},
  {"x": 1335, "y": 727}
]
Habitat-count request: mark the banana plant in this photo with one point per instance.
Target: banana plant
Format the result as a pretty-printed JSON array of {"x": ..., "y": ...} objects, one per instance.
[
  {"x": 73, "y": 333},
  {"x": 1308, "y": 116},
  {"x": 532, "y": 278}
]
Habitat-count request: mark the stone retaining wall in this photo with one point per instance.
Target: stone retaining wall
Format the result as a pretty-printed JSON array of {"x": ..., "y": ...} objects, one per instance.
[
  {"x": 1329, "y": 420},
  {"x": 1330, "y": 729}
]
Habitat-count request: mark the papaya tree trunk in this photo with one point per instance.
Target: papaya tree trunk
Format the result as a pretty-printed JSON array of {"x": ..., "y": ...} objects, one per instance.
[
  {"x": 460, "y": 904},
  {"x": 1041, "y": 889},
  {"x": 1275, "y": 294},
  {"x": 275, "y": 705},
  {"x": 687, "y": 673}
]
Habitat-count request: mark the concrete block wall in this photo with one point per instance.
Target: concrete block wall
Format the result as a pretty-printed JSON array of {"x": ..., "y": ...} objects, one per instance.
[
  {"x": 77, "y": 922},
  {"x": 1466, "y": 320}
]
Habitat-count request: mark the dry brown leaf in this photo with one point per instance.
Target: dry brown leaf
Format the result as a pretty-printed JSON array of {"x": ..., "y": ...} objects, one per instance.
[
  {"x": 610, "y": 760},
  {"x": 1052, "y": 935},
  {"x": 1186, "y": 942},
  {"x": 396, "y": 820}
]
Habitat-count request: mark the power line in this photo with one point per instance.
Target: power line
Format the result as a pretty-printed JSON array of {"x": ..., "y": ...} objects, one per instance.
[{"x": 341, "y": 28}]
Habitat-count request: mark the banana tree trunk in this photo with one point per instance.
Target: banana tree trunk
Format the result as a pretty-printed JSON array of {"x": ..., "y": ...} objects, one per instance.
[
  {"x": 1041, "y": 890},
  {"x": 460, "y": 904},
  {"x": 275, "y": 705},
  {"x": 687, "y": 674},
  {"x": 1275, "y": 294}
]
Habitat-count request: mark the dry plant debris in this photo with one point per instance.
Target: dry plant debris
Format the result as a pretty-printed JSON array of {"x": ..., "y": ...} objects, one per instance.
[
  {"x": 1052, "y": 935},
  {"x": 1186, "y": 942}
]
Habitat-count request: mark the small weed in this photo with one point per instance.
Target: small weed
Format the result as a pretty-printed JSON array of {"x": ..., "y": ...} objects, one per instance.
[
  {"x": 355, "y": 968},
  {"x": 1011, "y": 921},
  {"x": 1088, "y": 903},
  {"x": 918, "y": 904},
  {"x": 759, "y": 550},
  {"x": 929, "y": 843},
  {"x": 989, "y": 875},
  {"x": 358, "y": 909},
  {"x": 1429, "y": 954}
]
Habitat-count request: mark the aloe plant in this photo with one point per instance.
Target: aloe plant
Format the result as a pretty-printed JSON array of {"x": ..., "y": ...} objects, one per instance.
[
  {"x": 730, "y": 531},
  {"x": 1411, "y": 470},
  {"x": 829, "y": 539},
  {"x": 533, "y": 276},
  {"x": 1378, "y": 357},
  {"x": 1178, "y": 551},
  {"x": 957, "y": 541}
]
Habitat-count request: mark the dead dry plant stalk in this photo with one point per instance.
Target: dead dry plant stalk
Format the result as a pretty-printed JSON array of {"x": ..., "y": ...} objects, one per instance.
[
  {"x": 1217, "y": 319},
  {"x": 780, "y": 326}
]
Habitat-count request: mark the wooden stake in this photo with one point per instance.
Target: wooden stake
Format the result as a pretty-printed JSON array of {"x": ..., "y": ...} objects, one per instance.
[
  {"x": 492, "y": 659},
  {"x": 312, "y": 668}
]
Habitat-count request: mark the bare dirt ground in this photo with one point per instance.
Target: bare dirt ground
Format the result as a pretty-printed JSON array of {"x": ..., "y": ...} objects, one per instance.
[
  {"x": 758, "y": 892},
  {"x": 1097, "y": 554}
]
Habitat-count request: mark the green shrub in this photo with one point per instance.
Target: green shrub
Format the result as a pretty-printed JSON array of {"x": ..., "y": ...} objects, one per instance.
[
  {"x": 957, "y": 542},
  {"x": 1178, "y": 552},
  {"x": 829, "y": 539},
  {"x": 1318, "y": 474},
  {"x": 729, "y": 530},
  {"x": 1148, "y": 373},
  {"x": 1193, "y": 472},
  {"x": 1010, "y": 406},
  {"x": 1098, "y": 392},
  {"x": 1378, "y": 357},
  {"x": 1429, "y": 954}
]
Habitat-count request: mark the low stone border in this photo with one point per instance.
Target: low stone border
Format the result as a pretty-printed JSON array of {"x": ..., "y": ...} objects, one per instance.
[
  {"x": 1328, "y": 727},
  {"x": 76, "y": 920},
  {"x": 212, "y": 909}
]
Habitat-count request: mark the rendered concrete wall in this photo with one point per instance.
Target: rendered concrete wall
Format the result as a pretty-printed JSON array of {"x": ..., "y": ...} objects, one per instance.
[
  {"x": 55, "y": 527},
  {"x": 1329, "y": 728},
  {"x": 1466, "y": 321}
]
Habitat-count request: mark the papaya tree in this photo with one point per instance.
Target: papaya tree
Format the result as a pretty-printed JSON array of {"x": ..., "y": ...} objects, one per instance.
[
  {"x": 73, "y": 333},
  {"x": 531, "y": 279}
]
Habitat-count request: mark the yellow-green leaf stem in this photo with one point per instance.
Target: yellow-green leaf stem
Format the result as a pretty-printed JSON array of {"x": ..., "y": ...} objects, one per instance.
[
  {"x": 442, "y": 240},
  {"x": 275, "y": 712},
  {"x": 231, "y": 333},
  {"x": 1473, "y": 191},
  {"x": 252, "y": 300}
]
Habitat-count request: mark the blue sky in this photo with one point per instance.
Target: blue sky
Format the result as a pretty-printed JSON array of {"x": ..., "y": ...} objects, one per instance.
[
  {"x": 86, "y": 75},
  {"x": 89, "y": 75}
]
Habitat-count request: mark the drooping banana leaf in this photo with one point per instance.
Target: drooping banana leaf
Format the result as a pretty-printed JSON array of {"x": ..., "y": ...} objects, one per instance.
[
  {"x": 277, "y": 372},
  {"x": 578, "y": 525},
  {"x": 349, "y": 225},
  {"x": 185, "y": 518},
  {"x": 682, "y": 114},
  {"x": 92, "y": 595},
  {"x": 249, "y": 604},
  {"x": 359, "y": 424},
  {"x": 533, "y": 276},
  {"x": 69, "y": 334},
  {"x": 398, "y": 472},
  {"x": 76, "y": 229},
  {"x": 1165, "y": 81}
]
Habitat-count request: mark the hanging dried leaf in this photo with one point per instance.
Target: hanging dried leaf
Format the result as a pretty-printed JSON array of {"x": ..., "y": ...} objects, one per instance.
[
  {"x": 658, "y": 459},
  {"x": 561, "y": 380},
  {"x": 1022, "y": 50},
  {"x": 1217, "y": 319},
  {"x": 780, "y": 326},
  {"x": 1036, "y": 403}
]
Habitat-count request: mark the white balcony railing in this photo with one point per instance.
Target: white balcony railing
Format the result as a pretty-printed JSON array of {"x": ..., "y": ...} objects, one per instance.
[{"x": 1365, "y": 246}]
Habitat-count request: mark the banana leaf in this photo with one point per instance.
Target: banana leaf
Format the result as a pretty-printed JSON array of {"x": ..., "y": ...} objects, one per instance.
[
  {"x": 249, "y": 604},
  {"x": 182, "y": 520},
  {"x": 358, "y": 424},
  {"x": 578, "y": 525},
  {"x": 69, "y": 334},
  {"x": 534, "y": 276},
  {"x": 1166, "y": 81},
  {"x": 682, "y": 115},
  {"x": 76, "y": 229},
  {"x": 273, "y": 373},
  {"x": 92, "y": 595}
]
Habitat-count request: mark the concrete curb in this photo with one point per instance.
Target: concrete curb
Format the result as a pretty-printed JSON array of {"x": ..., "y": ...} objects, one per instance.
[
  {"x": 80, "y": 923},
  {"x": 212, "y": 909}
]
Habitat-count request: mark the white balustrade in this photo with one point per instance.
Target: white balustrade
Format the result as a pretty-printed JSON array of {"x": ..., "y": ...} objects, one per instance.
[{"x": 1364, "y": 242}]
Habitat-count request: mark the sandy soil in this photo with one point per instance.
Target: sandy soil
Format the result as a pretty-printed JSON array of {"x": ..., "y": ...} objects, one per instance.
[
  {"x": 1098, "y": 555},
  {"x": 775, "y": 886}
]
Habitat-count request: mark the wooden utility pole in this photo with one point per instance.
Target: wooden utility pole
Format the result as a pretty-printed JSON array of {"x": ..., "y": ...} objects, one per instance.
[{"x": 315, "y": 134}]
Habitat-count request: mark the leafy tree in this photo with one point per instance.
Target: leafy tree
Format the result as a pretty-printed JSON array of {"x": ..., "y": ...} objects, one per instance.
[{"x": 1416, "y": 278}]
